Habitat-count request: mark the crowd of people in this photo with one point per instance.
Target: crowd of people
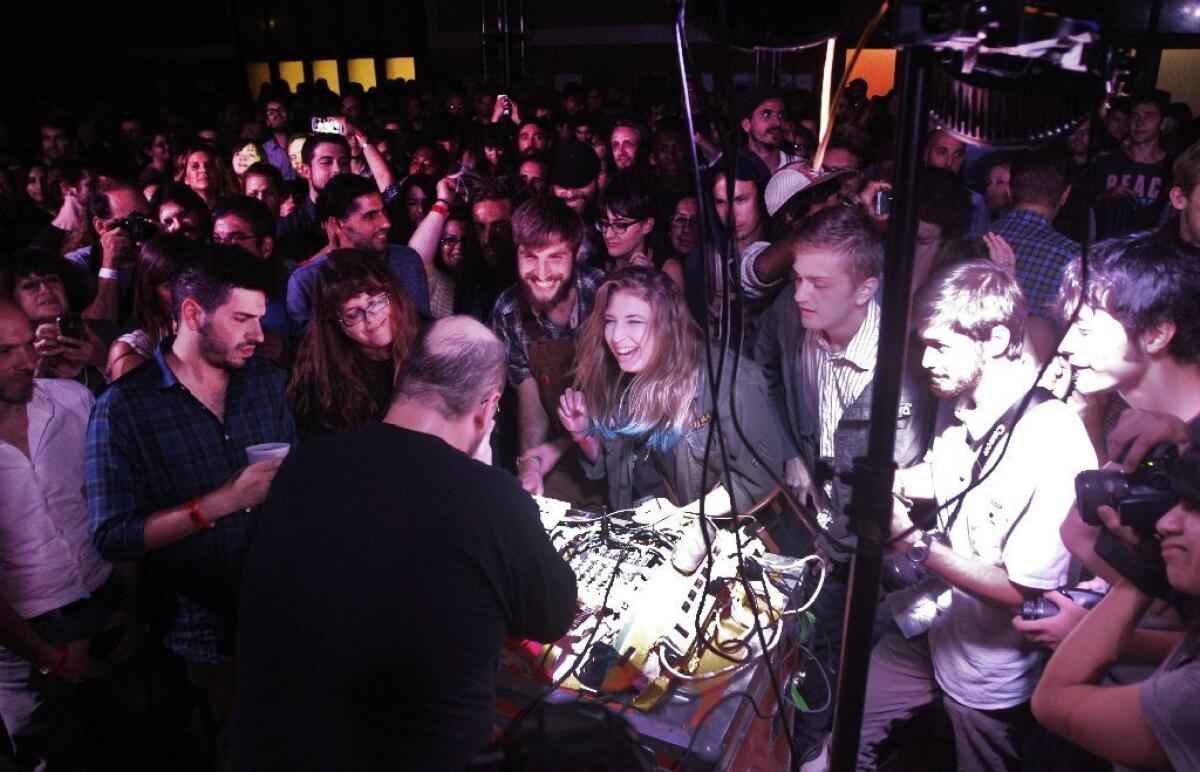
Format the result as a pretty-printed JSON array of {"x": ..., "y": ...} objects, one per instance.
[{"x": 442, "y": 297}]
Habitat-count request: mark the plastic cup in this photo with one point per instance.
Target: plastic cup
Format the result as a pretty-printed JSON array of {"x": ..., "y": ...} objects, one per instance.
[{"x": 266, "y": 451}]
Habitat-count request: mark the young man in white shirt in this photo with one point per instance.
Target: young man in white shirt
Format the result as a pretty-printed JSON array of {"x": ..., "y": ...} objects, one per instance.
[{"x": 1004, "y": 487}]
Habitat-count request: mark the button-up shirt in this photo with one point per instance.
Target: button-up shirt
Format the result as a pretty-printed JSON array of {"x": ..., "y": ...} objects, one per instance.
[
  {"x": 277, "y": 156},
  {"x": 152, "y": 445},
  {"x": 508, "y": 324},
  {"x": 1041, "y": 253},
  {"x": 46, "y": 555},
  {"x": 835, "y": 379}
]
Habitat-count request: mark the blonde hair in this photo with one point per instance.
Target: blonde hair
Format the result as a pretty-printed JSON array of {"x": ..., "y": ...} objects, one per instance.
[{"x": 653, "y": 406}]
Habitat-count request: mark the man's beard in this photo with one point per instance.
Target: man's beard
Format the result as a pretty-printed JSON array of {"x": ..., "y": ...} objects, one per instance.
[
  {"x": 214, "y": 352},
  {"x": 959, "y": 386},
  {"x": 543, "y": 306}
]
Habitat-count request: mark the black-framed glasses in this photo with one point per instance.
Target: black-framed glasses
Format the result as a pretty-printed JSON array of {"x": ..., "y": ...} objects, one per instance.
[
  {"x": 450, "y": 241},
  {"x": 374, "y": 307},
  {"x": 233, "y": 238},
  {"x": 679, "y": 221},
  {"x": 618, "y": 227}
]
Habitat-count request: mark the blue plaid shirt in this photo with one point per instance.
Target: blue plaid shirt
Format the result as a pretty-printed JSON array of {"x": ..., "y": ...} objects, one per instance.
[
  {"x": 1042, "y": 253},
  {"x": 151, "y": 445}
]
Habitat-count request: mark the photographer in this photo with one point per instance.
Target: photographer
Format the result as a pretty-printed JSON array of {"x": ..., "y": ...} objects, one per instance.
[
  {"x": 121, "y": 219},
  {"x": 1149, "y": 724},
  {"x": 1137, "y": 335}
]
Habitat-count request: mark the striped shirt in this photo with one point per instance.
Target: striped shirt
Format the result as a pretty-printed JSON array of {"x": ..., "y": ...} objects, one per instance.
[{"x": 836, "y": 379}]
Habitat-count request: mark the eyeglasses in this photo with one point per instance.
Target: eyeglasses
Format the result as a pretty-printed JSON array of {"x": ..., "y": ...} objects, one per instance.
[
  {"x": 274, "y": 111},
  {"x": 679, "y": 221},
  {"x": 375, "y": 306},
  {"x": 232, "y": 238},
  {"x": 450, "y": 241},
  {"x": 618, "y": 227}
]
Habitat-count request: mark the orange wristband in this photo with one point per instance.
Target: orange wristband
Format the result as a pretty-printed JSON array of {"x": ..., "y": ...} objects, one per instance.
[{"x": 198, "y": 519}]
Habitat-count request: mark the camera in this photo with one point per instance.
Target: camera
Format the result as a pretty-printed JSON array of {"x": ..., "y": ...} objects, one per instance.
[
  {"x": 507, "y": 109},
  {"x": 1140, "y": 497},
  {"x": 1040, "y": 608},
  {"x": 71, "y": 326},
  {"x": 139, "y": 227}
]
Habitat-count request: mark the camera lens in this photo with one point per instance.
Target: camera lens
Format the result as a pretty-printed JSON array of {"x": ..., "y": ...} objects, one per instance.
[{"x": 1038, "y": 608}]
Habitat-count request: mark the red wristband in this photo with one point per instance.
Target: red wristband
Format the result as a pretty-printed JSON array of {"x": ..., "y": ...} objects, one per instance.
[
  {"x": 198, "y": 519},
  {"x": 440, "y": 207},
  {"x": 61, "y": 655}
]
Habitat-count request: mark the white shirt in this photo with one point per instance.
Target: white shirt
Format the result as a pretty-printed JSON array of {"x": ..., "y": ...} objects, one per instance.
[
  {"x": 46, "y": 555},
  {"x": 836, "y": 379},
  {"x": 1010, "y": 520}
]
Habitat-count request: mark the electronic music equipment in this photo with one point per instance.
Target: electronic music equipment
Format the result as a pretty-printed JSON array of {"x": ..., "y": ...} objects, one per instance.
[{"x": 660, "y": 625}]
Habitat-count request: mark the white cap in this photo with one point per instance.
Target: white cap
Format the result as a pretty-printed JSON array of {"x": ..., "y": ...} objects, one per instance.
[{"x": 794, "y": 179}]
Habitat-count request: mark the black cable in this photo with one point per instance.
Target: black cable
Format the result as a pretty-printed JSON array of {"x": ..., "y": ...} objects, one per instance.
[
  {"x": 731, "y": 283},
  {"x": 1028, "y": 396},
  {"x": 532, "y": 706}
]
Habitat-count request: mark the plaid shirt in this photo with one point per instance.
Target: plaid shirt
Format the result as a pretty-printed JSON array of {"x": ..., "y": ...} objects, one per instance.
[
  {"x": 1042, "y": 253},
  {"x": 506, "y": 321},
  {"x": 151, "y": 445}
]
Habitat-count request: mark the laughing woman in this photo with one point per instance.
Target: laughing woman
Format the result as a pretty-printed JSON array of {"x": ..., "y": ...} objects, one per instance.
[
  {"x": 363, "y": 328},
  {"x": 642, "y": 408}
]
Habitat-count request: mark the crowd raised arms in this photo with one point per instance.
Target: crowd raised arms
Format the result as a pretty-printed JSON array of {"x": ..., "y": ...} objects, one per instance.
[{"x": 270, "y": 361}]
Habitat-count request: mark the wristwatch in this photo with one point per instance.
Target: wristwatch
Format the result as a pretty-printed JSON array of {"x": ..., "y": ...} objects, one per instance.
[{"x": 918, "y": 551}]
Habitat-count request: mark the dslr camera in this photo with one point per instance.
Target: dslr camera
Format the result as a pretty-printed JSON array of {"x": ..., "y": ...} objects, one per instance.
[
  {"x": 1140, "y": 497},
  {"x": 139, "y": 227}
]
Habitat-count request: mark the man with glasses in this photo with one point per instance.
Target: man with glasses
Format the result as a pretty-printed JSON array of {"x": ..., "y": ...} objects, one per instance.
[
  {"x": 350, "y": 209},
  {"x": 247, "y": 223},
  {"x": 276, "y": 148},
  {"x": 684, "y": 233}
]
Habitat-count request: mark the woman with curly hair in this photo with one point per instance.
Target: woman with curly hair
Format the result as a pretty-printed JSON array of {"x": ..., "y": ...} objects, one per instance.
[
  {"x": 362, "y": 330},
  {"x": 642, "y": 407}
]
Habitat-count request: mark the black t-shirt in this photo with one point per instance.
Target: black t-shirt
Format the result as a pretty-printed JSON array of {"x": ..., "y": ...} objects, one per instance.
[
  {"x": 385, "y": 571},
  {"x": 1149, "y": 184}
]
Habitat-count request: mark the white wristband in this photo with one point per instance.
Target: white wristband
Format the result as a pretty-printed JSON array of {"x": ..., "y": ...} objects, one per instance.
[{"x": 109, "y": 273}]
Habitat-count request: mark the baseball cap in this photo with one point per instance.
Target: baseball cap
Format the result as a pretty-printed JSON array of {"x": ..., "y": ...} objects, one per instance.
[{"x": 795, "y": 180}]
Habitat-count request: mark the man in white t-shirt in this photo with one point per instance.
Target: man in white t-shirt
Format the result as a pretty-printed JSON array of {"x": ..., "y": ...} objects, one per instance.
[{"x": 1001, "y": 545}]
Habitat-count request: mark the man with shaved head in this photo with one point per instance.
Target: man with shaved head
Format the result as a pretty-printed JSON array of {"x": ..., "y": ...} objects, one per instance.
[{"x": 387, "y": 569}]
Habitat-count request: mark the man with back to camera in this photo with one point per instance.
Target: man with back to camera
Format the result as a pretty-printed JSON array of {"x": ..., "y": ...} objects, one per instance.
[
  {"x": 1001, "y": 541},
  {"x": 403, "y": 586}
]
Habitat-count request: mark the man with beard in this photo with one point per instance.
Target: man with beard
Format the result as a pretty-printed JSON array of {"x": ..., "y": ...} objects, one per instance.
[
  {"x": 323, "y": 157},
  {"x": 537, "y": 320},
  {"x": 627, "y": 143},
  {"x": 997, "y": 546},
  {"x": 57, "y": 591},
  {"x": 351, "y": 210},
  {"x": 168, "y": 482},
  {"x": 762, "y": 120},
  {"x": 277, "y": 120}
]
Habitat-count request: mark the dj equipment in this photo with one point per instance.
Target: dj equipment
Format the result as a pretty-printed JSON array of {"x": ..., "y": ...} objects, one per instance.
[{"x": 660, "y": 625}]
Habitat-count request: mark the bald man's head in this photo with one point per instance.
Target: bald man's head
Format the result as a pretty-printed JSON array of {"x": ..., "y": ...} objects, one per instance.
[
  {"x": 457, "y": 364},
  {"x": 17, "y": 358}
]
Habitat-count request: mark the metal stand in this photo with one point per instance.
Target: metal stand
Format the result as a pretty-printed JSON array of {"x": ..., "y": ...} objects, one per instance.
[{"x": 870, "y": 505}]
